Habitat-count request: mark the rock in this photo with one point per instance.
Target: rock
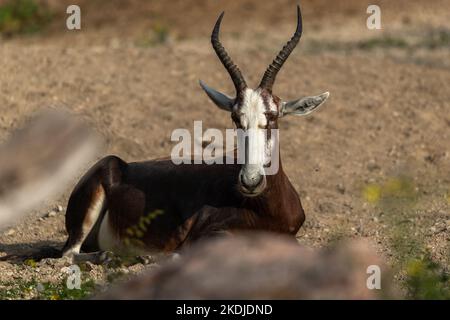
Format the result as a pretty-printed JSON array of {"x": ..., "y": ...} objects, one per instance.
[
  {"x": 438, "y": 228},
  {"x": 89, "y": 266},
  {"x": 10, "y": 232},
  {"x": 40, "y": 287},
  {"x": 56, "y": 263},
  {"x": 146, "y": 259},
  {"x": 341, "y": 188},
  {"x": 430, "y": 158},
  {"x": 51, "y": 214},
  {"x": 59, "y": 208},
  {"x": 260, "y": 266},
  {"x": 372, "y": 165}
]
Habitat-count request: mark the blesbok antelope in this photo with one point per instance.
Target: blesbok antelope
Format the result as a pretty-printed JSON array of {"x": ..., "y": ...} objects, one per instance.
[{"x": 196, "y": 200}]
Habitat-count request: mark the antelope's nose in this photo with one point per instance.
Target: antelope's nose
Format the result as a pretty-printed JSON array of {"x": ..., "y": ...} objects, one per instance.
[{"x": 250, "y": 183}]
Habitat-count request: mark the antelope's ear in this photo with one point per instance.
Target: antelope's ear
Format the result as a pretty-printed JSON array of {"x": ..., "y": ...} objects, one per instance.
[
  {"x": 303, "y": 106},
  {"x": 221, "y": 100}
]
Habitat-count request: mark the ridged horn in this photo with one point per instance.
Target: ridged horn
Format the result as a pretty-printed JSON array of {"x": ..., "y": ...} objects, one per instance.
[
  {"x": 233, "y": 70},
  {"x": 271, "y": 72}
]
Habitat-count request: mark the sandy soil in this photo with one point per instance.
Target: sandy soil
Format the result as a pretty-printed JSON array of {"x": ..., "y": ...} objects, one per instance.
[{"x": 383, "y": 136}]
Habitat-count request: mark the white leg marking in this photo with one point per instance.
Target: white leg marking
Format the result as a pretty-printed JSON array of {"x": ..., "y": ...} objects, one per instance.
[{"x": 91, "y": 218}]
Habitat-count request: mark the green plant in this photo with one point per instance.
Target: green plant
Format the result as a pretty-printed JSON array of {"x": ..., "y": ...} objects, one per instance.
[
  {"x": 382, "y": 42},
  {"x": 158, "y": 35},
  {"x": 135, "y": 233},
  {"x": 47, "y": 291},
  {"x": 23, "y": 16},
  {"x": 437, "y": 39},
  {"x": 426, "y": 280},
  {"x": 397, "y": 199}
]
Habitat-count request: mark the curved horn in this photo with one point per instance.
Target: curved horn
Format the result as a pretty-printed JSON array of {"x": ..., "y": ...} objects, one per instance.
[
  {"x": 271, "y": 72},
  {"x": 233, "y": 70}
]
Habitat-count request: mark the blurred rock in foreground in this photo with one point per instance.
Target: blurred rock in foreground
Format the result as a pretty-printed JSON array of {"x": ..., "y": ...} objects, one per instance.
[
  {"x": 38, "y": 160},
  {"x": 260, "y": 266}
]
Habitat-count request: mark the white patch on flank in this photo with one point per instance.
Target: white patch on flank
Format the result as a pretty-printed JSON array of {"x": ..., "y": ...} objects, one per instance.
[{"x": 107, "y": 241}]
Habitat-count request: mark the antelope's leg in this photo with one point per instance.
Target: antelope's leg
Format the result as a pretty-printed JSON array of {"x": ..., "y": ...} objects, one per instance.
[
  {"x": 88, "y": 204},
  {"x": 81, "y": 216}
]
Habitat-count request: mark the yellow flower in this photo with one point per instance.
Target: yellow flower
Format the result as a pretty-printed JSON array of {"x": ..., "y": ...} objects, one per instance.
[
  {"x": 394, "y": 187},
  {"x": 372, "y": 193},
  {"x": 30, "y": 263},
  {"x": 55, "y": 297},
  {"x": 415, "y": 268}
]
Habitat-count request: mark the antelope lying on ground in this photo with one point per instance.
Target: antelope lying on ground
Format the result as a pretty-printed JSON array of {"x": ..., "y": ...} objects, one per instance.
[{"x": 197, "y": 200}]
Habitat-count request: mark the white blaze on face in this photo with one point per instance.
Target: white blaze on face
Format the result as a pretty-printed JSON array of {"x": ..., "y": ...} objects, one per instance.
[{"x": 253, "y": 120}]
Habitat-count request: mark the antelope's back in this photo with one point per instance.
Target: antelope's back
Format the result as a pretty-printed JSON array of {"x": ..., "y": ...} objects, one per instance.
[{"x": 184, "y": 188}]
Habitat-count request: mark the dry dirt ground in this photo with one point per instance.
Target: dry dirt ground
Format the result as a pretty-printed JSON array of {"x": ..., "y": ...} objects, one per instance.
[{"x": 373, "y": 162}]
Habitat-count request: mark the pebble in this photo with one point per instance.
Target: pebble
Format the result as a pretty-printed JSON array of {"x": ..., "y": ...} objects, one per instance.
[
  {"x": 59, "y": 208},
  {"x": 438, "y": 228},
  {"x": 341, "y": 188},
  {"x": 372, "y": 165},
  {"x": 51, "y": 214},
  {"x": 145, "y": 260},
  {"x": 10, "y": 232},
  {"x": 40, "y": 287},
  {"x": 89, "y": 266}
]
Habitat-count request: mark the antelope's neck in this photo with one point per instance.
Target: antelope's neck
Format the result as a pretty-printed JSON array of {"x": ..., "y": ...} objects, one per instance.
[{"x": 278, "y": 197}]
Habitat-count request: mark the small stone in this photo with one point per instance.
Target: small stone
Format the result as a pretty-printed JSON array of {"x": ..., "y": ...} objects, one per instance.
[
  {"x": 51, "y": 214},
  {"x": 10, "y": 232},
  {"x": 145, "y": 260},
  {"x": 59, "y": 208},
  {"x": 430, "y": 158},
  {"x": 372, "y": 165},
  {"x": 439, "y": 227},
  {"x": 433, "y": 229},
  {"x": 341, "y": 188},
  {"x": 124, "y": 270},
  {"x": 40, "y": 287},
  {"x": 89, "y": 266}
]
